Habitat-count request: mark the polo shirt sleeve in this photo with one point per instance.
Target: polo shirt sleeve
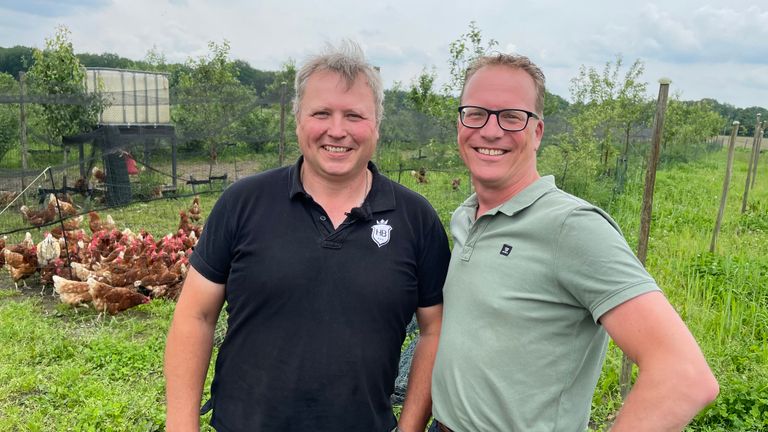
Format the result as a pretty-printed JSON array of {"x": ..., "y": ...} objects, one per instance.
[
  {"x": 433, "y": 264},
  {"x": 594, "y": 263},
  {"x": 212, "y": 255}
]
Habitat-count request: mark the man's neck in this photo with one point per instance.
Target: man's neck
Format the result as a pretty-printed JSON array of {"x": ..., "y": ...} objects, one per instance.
[
  {"x": 338, "y": 197},
  {"x": 489, "y": 197}
]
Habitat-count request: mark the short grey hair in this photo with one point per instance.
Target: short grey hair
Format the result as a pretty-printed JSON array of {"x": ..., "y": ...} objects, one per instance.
[
  {"x": 348, "y": 60},
  {"x": 515, "y": 62}
]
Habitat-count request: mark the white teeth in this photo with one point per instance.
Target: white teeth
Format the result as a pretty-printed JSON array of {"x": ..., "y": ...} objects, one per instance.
[
  {"x": 336, "y": 149},
  {"x": 490, "y": 152}
]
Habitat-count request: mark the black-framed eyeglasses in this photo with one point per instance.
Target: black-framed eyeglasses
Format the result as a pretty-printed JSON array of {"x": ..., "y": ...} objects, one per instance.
[{"x": 511, "y": 120}]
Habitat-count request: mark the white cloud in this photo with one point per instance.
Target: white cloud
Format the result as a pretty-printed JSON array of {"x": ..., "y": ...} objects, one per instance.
[{"x": 697, "y": 42}]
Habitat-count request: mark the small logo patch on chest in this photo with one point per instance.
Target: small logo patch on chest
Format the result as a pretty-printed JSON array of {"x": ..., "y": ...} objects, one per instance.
[
  {"x": 505, "y": 249},
  {"x": 380, "y": 232}
]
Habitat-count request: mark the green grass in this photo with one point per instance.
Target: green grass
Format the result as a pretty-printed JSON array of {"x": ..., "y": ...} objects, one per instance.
[{"x": 64, "y": 370}]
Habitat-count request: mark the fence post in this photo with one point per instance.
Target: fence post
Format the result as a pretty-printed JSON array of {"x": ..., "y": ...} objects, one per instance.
[
  {"x": 745, "y": 198},
  {"x": 281, "y": 151},
  {"x": 23, "y": 131},
  {"x": 726, "y": 182},
  {"x": 757, "y": 152},
  {"x": 625, "y": 379}
]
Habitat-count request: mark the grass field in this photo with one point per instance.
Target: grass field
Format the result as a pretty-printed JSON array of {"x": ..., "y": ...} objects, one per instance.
[{"x": 63, "y": 370}]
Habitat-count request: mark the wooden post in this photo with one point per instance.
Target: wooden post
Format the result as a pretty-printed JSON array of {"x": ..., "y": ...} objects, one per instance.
[
  {"x": 625, "y": 380},
  {"x": 281, "y": 151},
  {"x": 23, "y": 131},
  {"x": 757, "y": 153},
  {"x": 745, "y": 197},
  {"x": 726, "y": 182}
]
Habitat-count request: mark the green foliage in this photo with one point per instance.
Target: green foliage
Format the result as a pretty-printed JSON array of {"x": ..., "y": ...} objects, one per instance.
[
  {"x": 9, "y": 115},
  {"x": 463, "y": 51},
  {"x": 212, "y": 102},
  {"x": 15, "y": 59},
  {"x": 608, "y": 108},
  {"x": 687, "y": 127},
  {"x": 58, "y": 72}
]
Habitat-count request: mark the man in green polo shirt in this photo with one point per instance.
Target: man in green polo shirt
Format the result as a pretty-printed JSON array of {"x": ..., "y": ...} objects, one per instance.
[{"x": 539, "y": 280}]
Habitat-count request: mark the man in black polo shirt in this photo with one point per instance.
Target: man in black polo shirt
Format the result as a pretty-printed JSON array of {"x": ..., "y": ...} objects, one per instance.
[{"x": 321, "y": 264}]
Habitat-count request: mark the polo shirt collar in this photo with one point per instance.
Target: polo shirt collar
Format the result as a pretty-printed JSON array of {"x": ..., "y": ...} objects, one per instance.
[
  {"x": 522, "y": 200},
  {"x": 380, "y": 198}
]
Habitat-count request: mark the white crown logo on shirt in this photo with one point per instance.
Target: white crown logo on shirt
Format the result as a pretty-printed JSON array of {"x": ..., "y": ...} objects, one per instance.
[{"x": 380, "y": 232}]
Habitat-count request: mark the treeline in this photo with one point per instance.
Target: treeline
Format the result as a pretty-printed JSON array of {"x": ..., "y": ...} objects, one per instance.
[{"x": 19, "y": 59}]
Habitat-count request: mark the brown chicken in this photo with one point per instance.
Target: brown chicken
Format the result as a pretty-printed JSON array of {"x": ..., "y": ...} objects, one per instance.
[
  {"x": 7, "y": 197},
  {"x": 96, "y": 224},
  {"x": 194, "y": 209},
  {"x": 38, "y": 218},
  {"x": 21, "y": 265},
  {"x": 99, "y": 174},
  {"x": 69, "y": 225},
  {"x": 107, "y": 298},
  {"x": 73, "y": 293}
]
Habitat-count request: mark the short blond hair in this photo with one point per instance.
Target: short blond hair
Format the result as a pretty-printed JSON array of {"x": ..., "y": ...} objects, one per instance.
[
  {"x": 515, "y": 62},
  {"x": 347, "y": 60}
]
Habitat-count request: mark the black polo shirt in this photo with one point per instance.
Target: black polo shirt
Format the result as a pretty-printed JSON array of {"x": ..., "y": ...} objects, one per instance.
[{"x": 317, "y": 315}]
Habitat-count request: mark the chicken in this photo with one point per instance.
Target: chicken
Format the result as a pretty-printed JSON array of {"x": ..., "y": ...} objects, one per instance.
[
  {"x": 96, "y": 224},
  {"x": 38, "y": 218},
  {"x": 7, "y": 197},
  {"x": 456, "y": 183},
  {"x": 113, "y": 300},
  {"x": 21, "y": 265},
  {"x": 82, "y": 272},
  {"x": 188, "y": 227},
  {"x": 99, "y": 174},
  {"x": 420, "y": 175},
  {"x": 69, "y": 225},
  {"x": 66, "y": 207},
  {"x": 194, "y": 209},
  {"x": 48, "y": 250},
  {"x": 73, "y": 293}
]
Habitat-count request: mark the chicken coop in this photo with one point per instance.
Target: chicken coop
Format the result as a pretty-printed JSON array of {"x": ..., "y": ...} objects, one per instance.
[{"x": 136, "y": 117}]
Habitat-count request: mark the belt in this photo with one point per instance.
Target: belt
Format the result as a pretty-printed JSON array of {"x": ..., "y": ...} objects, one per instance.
[{"x": 443, "y": 428}]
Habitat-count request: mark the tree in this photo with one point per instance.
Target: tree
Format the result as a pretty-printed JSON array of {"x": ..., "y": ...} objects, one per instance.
[
  {"x": 608, "y": 108},
  {"x": 57, "y": 73},
  {"x": 211, "y": 102},
  {"x": 687, "y": 127},
  {"x": 463, "y": 51},
  {"x": 16, "y": 59},
  {"x": 9, "y": 115}
]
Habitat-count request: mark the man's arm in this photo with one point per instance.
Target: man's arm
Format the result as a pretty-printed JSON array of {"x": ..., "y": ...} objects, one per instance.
[
  {"x": 418, "y": 399},
  {"x": 188, "y": 350},
  {"x": 674, "y": 381}
]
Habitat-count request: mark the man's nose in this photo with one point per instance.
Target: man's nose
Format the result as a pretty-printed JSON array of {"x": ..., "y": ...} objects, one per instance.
[
  {"x": 337, "y": 127},
  {"x": 492, "y": 128}
]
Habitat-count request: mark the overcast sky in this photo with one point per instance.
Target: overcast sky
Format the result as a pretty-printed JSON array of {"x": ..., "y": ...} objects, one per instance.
[{"x": 714, "y": 49}]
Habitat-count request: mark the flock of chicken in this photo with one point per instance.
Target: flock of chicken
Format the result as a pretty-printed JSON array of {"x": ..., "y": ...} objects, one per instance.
[{"x": 111, "y": 269}]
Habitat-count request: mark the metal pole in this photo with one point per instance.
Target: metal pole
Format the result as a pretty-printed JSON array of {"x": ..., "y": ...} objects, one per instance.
[
  {"x": 281, "y": 151},
  {"x": 745, "y": 197},
  {"x": 645, "y": 217},
  {"x": 726, "y": 182},
  {"x": 23, "y": 130}
]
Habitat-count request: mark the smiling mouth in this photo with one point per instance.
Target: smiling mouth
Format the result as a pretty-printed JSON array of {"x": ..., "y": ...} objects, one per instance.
[
  {"x": 489, "y": 151},
  {"x": 334, "y": 149}
]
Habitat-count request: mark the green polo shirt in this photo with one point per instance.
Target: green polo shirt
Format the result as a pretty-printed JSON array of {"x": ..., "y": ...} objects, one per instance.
[{"x": 521, "y": 347}]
